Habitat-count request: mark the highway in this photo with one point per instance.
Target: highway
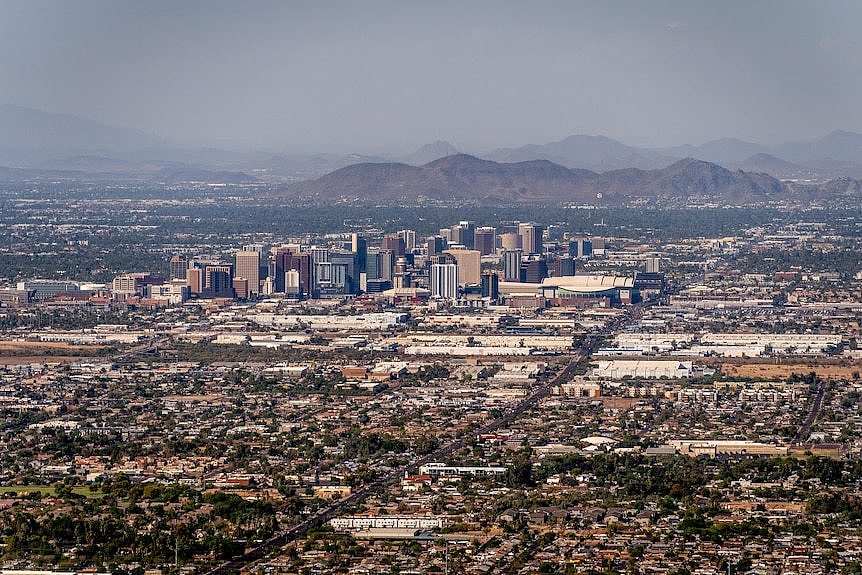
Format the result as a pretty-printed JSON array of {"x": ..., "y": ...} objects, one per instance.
[
  {"x": 243, "y": 562},
  {"x": 805, "y": 428},
  {"x": 146, "y": 347}
]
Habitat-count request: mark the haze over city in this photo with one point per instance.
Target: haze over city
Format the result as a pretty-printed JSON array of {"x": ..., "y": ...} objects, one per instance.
[
  {"x": 389, "y": 76},
  {"x": 469, "y": 288}
]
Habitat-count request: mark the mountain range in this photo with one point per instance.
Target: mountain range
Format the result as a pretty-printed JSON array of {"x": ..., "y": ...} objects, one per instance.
[
  {"x": 35, "y": 143},
  {"x": 464, "y": 178}
]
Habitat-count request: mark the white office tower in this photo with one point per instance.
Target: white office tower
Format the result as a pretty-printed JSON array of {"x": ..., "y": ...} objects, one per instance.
[
  {"x": 444, "y": 281},
  {"x": 268, "y": 286},
  {"x": 653, "y": 265}
]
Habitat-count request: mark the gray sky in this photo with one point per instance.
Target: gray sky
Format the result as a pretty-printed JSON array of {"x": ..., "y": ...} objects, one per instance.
[{"x": 365, "y": 74}]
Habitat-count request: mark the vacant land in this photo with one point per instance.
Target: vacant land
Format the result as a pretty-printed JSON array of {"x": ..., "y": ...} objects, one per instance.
[
  {"x": 785, "y": 370},
  {"x": 11, "y": 352}
]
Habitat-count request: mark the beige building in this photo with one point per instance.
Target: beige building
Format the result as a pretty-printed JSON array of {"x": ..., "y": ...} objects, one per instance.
[
  {"x": 248, "y": 267},
  {"x": 510, "y": 241},
  {"x": 531, "y": 237},
  {"x": 469, "y": 265},
  {"x": 195, "y": 280}
]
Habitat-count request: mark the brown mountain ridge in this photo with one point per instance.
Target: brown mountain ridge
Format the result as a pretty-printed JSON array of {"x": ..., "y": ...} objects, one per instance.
[{"x": 462, "y": 177}]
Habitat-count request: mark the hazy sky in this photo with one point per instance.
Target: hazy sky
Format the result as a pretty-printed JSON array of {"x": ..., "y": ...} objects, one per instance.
[{"x": 365, "y": 74}]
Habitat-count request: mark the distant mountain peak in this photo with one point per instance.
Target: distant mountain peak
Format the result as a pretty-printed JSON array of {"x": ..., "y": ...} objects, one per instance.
[
  {"x": 429, "y": 153},
  {"x": 31, "y": 136},
  {"x": 583, "y": 151},
  {"x": 440, "y": 145},
  {"x": 457, "y": 159},
  {"x": 767, "y": 163}
]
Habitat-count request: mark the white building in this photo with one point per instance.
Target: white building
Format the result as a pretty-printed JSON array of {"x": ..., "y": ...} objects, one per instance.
[
  {"x": 365, "y": 523},
  {"x": 444, "y": 281},
  {"x": 620, "y": 368},
  {"x": 175, "y": 293},
  {"x": 438, "y": 469}
]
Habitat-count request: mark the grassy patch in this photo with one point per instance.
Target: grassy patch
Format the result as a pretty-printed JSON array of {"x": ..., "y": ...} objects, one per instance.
[{"x": 46, "y": 490}]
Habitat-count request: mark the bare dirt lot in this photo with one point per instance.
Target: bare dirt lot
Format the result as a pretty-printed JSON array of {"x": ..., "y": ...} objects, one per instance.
[
  {"x": 22, "y": 352},
  {"x": 785, "y": 370}
]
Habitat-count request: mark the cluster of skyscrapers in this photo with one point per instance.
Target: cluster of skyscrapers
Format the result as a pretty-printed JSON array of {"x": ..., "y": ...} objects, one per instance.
[{"x": 447, "y": 264}]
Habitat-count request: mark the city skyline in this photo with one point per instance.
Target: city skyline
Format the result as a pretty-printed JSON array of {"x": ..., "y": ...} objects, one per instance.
[{"x": 286, "y": 289}]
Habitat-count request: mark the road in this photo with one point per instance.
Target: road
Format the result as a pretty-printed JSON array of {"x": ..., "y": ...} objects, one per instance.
[
  {"x": 146, "y": 347},
  {"x": 244, "y": 561},
  {"x": 805, "y": 428}
]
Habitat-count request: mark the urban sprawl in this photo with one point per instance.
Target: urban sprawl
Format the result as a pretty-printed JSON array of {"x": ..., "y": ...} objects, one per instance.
[{"x": 487, "y": 396}]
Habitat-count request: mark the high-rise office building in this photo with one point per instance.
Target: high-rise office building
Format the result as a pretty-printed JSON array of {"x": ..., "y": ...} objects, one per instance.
[
  {"x": 133, "y": 283},
  {"x": 531, "y": 238},
  {"x": 444, "y": 258},
  {"x": 319, "y": 255},
  {"x": 444, "y": 281},
  {"x": 292, "y": 287},
  {"x": 345, "y": 277},
  {"x": 653, "y": 265},
  {"x": 510, "y": 241},
  {"x": 512, "y": 265},
  {"x": 286, "y": 259},
  {"x": 469, "y": 265},
  {"x": 195, "y": 280},
  {"x": 377, "y": 285},
  {"x": 302, "y": 263},
  {"x": 564, "y": 266},
  {"x": 248, "y": 267},
  {"x": 409, "y": 237},
  {"x": 372, "y": 264},
  {"x": 580, "y": 247},
  {"x": 394, "y": 243},
  {"x": 218, "y": 280},
  {"x": 268, "y": 286},
  {"x": 387, "y": 264},
  {"x": 401, "y": 265},
  {"x": 491, "y": 285},
  {"x": 463, "y": 233},
  {"x": 263, "y": 264},
  {"x": 534, "y": 271},
  {"x": 240, "y": 287},
  {"x": 485, "y": 240},
  {"x": 402, "y": 280},
  {"x": 435, "y": 245},
  {"x": 178, "y": 266},
  {"x": 359, "y": 246},
  {"x": 333, "y": 278}
]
